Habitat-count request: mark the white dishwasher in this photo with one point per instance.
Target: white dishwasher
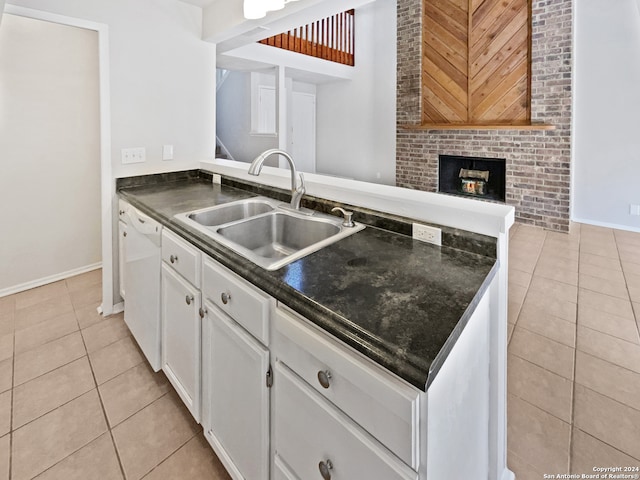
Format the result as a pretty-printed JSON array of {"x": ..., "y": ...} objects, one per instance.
[{"x": 142, "y": 277}]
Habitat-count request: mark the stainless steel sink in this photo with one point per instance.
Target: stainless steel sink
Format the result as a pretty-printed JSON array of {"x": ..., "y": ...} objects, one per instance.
[
  {"x": 267, "y": 232},
  {"x": 231, "y": 212}
]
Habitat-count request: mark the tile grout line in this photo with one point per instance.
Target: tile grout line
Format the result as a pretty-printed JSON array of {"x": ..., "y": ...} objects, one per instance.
[
  {"x": 13, "y": 372},
  {"x": 173, "y": 452},
  {"x": 575, "y": 360},
  {"x": 104, "y": 411},
  {"x": 626, "y": 284}
]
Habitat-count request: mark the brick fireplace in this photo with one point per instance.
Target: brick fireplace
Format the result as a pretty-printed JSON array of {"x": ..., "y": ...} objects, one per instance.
[{"x": 537, "y": 161}]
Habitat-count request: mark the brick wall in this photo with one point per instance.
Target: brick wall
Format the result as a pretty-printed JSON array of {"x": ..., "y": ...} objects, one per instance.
[{"x": 537, "y": 161}]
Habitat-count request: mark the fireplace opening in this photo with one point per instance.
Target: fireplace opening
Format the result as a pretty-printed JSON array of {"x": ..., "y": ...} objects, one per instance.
[{"x": 472, "y": 177}]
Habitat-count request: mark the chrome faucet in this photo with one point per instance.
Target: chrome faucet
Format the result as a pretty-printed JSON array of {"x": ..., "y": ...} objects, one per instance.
[{"x": 296, "y": 191}]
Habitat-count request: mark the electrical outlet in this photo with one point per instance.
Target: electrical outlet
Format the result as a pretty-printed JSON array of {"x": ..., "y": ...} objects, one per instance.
[
  {"x": 427, "y": 234},
  {"x": 217, "y": 179},
  {"x": 133, "y": 155},
  {"x": 634, "y": 209},
  {"x": 167, "y": 152}
]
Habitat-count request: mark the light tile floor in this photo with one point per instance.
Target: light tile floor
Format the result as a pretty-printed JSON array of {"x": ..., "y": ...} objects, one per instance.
[
  {"x": 574, "y": 351},
  {"x": 78, "y": 400}
]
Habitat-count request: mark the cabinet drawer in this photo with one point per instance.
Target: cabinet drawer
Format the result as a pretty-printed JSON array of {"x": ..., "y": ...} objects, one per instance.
[
  {"x": 310, "y": 431},
  {"x": 384, "y": 405},
  {"x": 243, "y": 302},
  {"x": 182, "y": 257}
]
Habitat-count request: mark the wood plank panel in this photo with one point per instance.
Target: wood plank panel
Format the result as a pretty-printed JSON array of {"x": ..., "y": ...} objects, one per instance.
[
  {"x": 445, "y": 61},
  {"x": 499, "y": 20},
  {"x": 485, "y": 100}
]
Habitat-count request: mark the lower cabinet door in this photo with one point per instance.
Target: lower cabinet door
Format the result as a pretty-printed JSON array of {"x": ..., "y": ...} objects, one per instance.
[
  {"x": 181, "y": 338},
  {"x": 318, "y": 441},
  {"x": 235, "y": 395}
]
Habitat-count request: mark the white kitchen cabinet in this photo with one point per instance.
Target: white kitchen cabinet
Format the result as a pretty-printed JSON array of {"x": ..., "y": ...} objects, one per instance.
[
  {"x": 181, "y": 337},
  {"x": 317, "y": 440},
  {"x": 235, "y": 407}
]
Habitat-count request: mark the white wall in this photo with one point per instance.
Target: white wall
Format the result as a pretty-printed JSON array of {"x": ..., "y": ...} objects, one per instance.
[
  {"x": 606, "y": 105},
  {"x": 234, "y": 119},
  {"x": 357, "y": 119},
  {"x": 162, "y": 78},
  {"x": 49, "y": 150}
]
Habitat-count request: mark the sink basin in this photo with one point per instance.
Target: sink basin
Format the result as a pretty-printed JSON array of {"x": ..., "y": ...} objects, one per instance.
[
  {"x": 267, "y": 232},
  {"x": 231, "y": 212}
]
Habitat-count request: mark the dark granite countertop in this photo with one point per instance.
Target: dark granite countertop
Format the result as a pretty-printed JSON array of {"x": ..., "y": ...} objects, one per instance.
[{"x": 401, "y": 302}]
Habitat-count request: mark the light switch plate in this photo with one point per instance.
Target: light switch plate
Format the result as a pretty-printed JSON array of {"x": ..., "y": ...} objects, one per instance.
[
  {"x": 167, "y": 152},
  {"x": 133, "y": 155}
]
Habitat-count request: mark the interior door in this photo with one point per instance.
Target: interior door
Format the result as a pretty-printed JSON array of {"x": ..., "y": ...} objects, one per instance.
[{"x": 303, "y": 131}]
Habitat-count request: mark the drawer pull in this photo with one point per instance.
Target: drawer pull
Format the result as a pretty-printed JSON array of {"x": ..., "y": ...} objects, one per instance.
[
  {"x": 173, "y": 258},
  {"x": 325, "y": 469},
  {"x": 225, "y": 297},
  {"x": 188, "y": 299},
  {"x": 124, "y": 234},
  {"x": 121, "y": 212},
  {"x": 324, "y": 377},
  {"x": 202, "y": 312}
]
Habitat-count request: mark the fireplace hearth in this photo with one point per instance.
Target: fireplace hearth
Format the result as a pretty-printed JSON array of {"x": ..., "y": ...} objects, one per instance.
[{"x": 472, "y": 177}]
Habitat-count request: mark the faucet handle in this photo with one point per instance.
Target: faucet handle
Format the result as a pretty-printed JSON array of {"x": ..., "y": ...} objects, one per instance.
[
  {"x": 301, "y": 188},
  {"x": 347, "y": 216}
]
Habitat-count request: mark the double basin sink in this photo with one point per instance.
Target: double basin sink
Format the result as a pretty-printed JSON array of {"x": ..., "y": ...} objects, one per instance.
[{"x": 267, "y": 232}]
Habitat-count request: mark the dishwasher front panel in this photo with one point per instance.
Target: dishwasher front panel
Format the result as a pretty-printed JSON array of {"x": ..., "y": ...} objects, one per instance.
[{"x": 142, "y": 278}]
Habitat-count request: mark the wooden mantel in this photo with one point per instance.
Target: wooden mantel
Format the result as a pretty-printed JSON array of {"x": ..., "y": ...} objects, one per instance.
[{"x": 470, "y": 126}]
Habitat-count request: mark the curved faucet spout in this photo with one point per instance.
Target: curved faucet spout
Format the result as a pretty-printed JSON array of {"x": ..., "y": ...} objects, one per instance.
[{"x": 296, "y": 191}]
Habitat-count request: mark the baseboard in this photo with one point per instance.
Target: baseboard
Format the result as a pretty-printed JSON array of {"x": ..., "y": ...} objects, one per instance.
[
  {"x": 606, "y": 224},
  {"x": 50, "y": 279},
  {"x": 508, "y": 475}
]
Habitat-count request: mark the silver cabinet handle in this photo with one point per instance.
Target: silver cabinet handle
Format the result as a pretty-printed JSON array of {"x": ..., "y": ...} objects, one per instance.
[
  {"x": 141, "y": 220},
  {"x": 202, "y": 312},
  {"x": 225, "y": 297},
  {"x": 173, "y": 258},
  {"x": 325, "y": 468},
  {"x": 323, "y": 377},
  {"x": 189, "y": 299},
  {"x": 124, "y": 234},
  {"x": 121, "y": 212}
]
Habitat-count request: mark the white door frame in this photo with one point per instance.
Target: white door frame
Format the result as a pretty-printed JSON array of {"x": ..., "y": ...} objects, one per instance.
[{"x": 106, "y": 180}]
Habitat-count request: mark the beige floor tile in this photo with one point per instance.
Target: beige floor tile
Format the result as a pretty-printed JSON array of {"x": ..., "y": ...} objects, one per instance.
[
  {"x": 538, "y": 321},
  {"x": 633, "y": 284},
  {"x": 553, "y": 251},
  {"x": 105, "y": 333},
  {"x": 612, "y": 422},
  {"x": 86, "y": 296},
  {"x": 603, "y": 249},
  {"x": 5, "y": 412},
  {"x": 36, "y": 295},
  {"x": 6, "y": 346},
  {"x": 558, "y": 308},
  {"x": 614, "y": 288},
  {"x": 629, "y": 254},
  {"x": 540, "y": 387},
  {"x": 7, "y": 304},
  {"x": 88, "y": 315},
  {"x": 531, "y": 231},
  {"x": 518, "y": 277},
  {"x": 608, "y": 379},
  {"x": 630, "y": 267},
  {"x": 521, "y": 469},
  {"x": 554, "y": 289},
  {"x": 131, "y": 391},
  {"x": 523, "y": 243},
  {"x": 112, "y": 360},
  {"x": 605, "y": 303},
  {"x": 623, "y": 328},
  {"x": 543, "y": 352},
  {"x": 623, "y": 236},
  {"x": 557, "y": 272},
  {"x": 195, "y": 460},
  {"x": 151, "y": 435},
  {"x": 510, "y": 329},
  {"x": 84, "y": 280},
  {"x": 47, "y": 357},
  {"x": 516, "y": 294},
  {"x": 513, "y": 311},
  {"x": 95, "y": 461},
  {"x": 588, "y": 452},
  {"x": 564, "y": 263},
  {"x": 7, "y": 323},
  {"x": 42, "y": 311},
  {"x": 611, "y": 349},
  {"x": 46, "y": 331},
  {"x": 525, "y": 263},
  {"x": 562, "y": 240},
  {"x": 6, "y": 374},
  {"x": 49, "y": 439},
  {"x": 5, "y": 452},
  {"x": 538, "y": 438},
  {"x": 601, "y": 262},
  {"x": 47, "y": 392},
  {"x": 599, "y": 272}
]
